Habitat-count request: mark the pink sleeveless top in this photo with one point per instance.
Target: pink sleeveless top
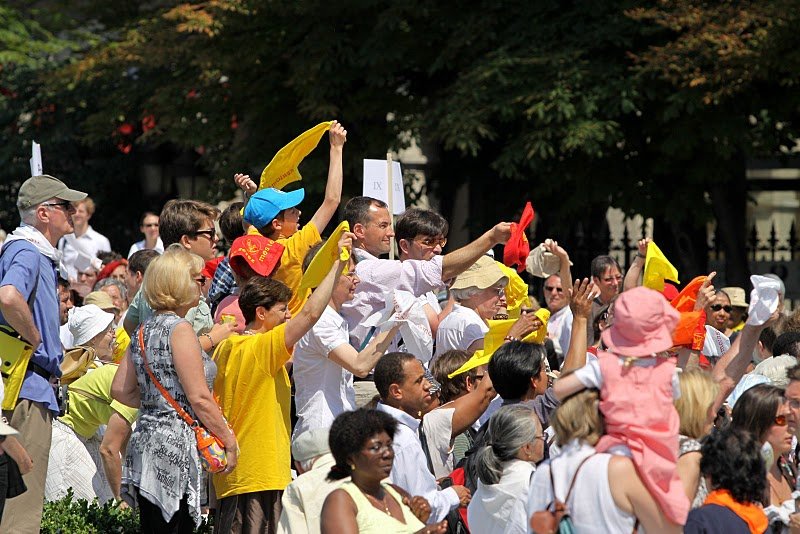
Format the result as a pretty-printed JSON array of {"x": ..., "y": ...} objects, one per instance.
[{"x": 637, "y": 403}]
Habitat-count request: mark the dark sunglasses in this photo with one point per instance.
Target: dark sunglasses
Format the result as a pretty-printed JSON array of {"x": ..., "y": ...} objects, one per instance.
[
  {"x": 781, "y": 420},
  {"x": 548, "y": 289},
  {"x": 718, "y": 307},
  {"x": 210, "y": 233},
  {"x": 66, "y": 205}
]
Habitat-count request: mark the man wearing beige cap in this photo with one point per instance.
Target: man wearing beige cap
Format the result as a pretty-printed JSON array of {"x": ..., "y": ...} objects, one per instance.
[{"x": 29, "y": 265}]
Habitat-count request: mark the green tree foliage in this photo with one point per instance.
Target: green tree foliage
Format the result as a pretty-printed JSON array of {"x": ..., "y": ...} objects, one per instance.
[{"x": 651, "y": 107}]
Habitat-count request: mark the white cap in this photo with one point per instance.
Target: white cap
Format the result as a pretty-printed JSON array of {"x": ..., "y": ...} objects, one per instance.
[{"x": 88, "y": 321}]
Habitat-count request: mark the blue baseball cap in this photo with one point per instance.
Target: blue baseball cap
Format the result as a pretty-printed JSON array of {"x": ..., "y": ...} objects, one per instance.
[{"x": 267, "y": 203}]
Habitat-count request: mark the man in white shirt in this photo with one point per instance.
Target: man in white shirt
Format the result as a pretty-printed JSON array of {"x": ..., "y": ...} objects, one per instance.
[
  {"x": 83, "y": 240},
  {"x": 370, "y": 222},
  {"x": 405, "y": 394}
]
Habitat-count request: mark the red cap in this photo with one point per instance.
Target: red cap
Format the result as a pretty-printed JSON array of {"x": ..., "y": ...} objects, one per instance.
[
  {"x": 260, "y": 253},
  {"x": 211, "y": 267},
  {"x": 106, "y": 271}
]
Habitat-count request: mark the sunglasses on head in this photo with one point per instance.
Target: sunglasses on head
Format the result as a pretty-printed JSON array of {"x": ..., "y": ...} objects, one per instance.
[
  {"x": 781, "y": 420},
  {"x": 718, "y": 307}
]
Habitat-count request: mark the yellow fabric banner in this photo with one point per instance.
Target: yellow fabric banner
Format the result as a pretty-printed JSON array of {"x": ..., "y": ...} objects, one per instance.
[
  {"x": 321, "y": 265},
  {"x": 657, "y": 268},
  {"x": 282, "y": 170}
]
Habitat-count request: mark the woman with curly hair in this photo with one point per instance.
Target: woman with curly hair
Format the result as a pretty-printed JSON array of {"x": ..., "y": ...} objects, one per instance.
[
  {"x": 361, "y": 444},
  {"x": 731, "y": 462}
]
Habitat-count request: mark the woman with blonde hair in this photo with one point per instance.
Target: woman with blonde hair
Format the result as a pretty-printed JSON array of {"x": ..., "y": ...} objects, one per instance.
[
  {"x": 162, "y": 465},
  {"x": 698, "y": 391},
  {"x": 602, "y": 492}
]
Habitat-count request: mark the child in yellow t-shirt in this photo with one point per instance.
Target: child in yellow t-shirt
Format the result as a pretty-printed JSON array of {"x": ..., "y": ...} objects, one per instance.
[{"x": 274, "y": 214}]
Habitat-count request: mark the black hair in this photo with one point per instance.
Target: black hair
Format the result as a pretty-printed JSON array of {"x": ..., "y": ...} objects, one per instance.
[
  {"x": 350, "y": 431},
  {"x": 787, "y": 343},
  {"x": 108, "y": 256},
  {"x": 389, "y": 370},
  {"x": 261, "y": 291},
  {"x": 417, "y": 221},
  {"x": 601, "y": 263},
  {"x": 140, "y": 260},
  {"x": 146, "y": 215},
  {"x": 513, "y": 365},
  {"x": 732, "y": 460},
  {"x": 63, "y": 283},
  {"x": 768, "y": 338},
  {"x": 230, "y": 222},
  {"x": 755, "y": 410},
  {"x": 357, "y": 210}
]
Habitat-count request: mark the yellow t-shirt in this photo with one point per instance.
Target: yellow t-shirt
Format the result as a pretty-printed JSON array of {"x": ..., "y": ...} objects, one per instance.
[
  {"x": 87, "y": 413},
  {"x": 290, "y": 271},
  {"x": 255, "y": 395}
]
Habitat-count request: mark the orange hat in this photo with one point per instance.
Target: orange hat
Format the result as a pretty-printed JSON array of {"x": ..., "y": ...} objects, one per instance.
[
  {"x": 517, "y": 248},
  {"x": 260, "y": 253}
]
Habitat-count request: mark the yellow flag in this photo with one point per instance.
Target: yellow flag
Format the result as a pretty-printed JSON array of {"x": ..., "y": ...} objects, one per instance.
[
  {"x": 282, "y": 170},
  {"x": 657, "y": 268},
  {"x": 516, "y": 291},
  {"x": 321, "y": 265}
]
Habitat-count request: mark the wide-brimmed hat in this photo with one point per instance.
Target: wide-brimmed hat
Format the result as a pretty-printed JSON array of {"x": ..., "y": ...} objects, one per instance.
[
  {"x": 267, "y": 203},
  {"x": 37, "y": 189},
  {"x": 737, "y": 296},
  {"x": 643, "y": 323},
  {"x": 481, "y": 274},
  {"x": 260, "y": 253},
  {"x": 87, "y": 321}
]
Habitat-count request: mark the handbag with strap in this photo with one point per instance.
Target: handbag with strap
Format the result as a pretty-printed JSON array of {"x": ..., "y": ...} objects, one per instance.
[{"x": 211, "y": 450}]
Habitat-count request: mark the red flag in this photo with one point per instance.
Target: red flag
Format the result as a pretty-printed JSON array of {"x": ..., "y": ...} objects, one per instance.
[{"x": 517, "y": 248}]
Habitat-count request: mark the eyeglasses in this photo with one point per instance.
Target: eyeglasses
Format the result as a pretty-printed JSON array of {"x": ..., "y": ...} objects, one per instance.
[
  {"x": 66, "y": 205},
  {"x": 200, "y": 280},
  {"x": 499, "y": 290},
  {"x": 431, "y": 242},
  {"x": 379, "y": 448},
  {"x": 550, "y": 289},
  {"x": 153, "y": 225},
  {"x": 794, "y": 404},
  {"x": 541, "y": 438},
  {"x": 781, "y": 420},
  {"x": 210, "y": 234},
  {"x": 718, "y": 307}
]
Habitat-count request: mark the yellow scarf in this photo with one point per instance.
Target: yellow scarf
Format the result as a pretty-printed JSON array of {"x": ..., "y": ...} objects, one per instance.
[{"x": 752, "y": 514}]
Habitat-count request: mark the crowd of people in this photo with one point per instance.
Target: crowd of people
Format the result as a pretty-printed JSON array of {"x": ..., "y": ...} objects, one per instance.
[{"x": 299, "y": 384}]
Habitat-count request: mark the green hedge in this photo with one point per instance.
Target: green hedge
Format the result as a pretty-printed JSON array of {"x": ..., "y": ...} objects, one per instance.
[{"x": 78, "y": 516}]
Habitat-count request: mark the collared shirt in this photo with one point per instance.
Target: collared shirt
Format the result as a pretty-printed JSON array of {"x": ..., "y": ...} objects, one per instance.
[
  {"x": 380, "y": 276},
  {"x": 20, "y": 266},
  {"x": 460, "y": 329},
  {"x": 223, "y": 283},
  {"x": 301, "y": 503},
  {"x": 559, "y": 329},
  {"x": 324, "y": 389},
  {"x": 410, "y": 471},
  {"x": 89, "y": 243},
  {"x": 139, "y": 245}
]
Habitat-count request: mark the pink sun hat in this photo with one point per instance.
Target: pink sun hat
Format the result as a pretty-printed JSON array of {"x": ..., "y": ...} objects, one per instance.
[{"x": 643, "y": 323}]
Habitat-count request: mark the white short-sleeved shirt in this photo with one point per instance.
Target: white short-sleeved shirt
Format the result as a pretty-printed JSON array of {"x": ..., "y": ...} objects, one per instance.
[
  {"x": 89, "y": 243},
  {"x": 139, "y": 245},
  {"x": 459, "y": 329},
  {"x": 323, "y": 388}
]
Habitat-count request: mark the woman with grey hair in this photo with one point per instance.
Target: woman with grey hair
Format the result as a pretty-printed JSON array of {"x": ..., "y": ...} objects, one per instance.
[{"x": 505, "y": 468}]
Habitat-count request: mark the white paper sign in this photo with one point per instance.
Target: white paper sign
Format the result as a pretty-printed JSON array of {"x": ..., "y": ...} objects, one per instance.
[
  {"x": 375, "y": 183},
  {"x": 36, "y": 160}
]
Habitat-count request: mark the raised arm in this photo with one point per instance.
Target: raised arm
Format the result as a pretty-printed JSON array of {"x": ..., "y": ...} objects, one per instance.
[
  {"x": 732, "y": 366},
  {"x": 298, "y": 325},
  {"x": 469, "y": 407},
  {"x": 189, "y": 368},
  {"x": 333, "y": 188},
  {"x": 580, "y": 302},
  {"x": 633, "y": 277},
  {"x": 565, "y": 272},
  {"x": 361, "y": 363},
  {"x": 460, "y": 260}
]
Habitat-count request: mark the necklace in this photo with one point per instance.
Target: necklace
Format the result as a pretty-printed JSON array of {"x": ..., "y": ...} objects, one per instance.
[{"x": 380, "y": 502}]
